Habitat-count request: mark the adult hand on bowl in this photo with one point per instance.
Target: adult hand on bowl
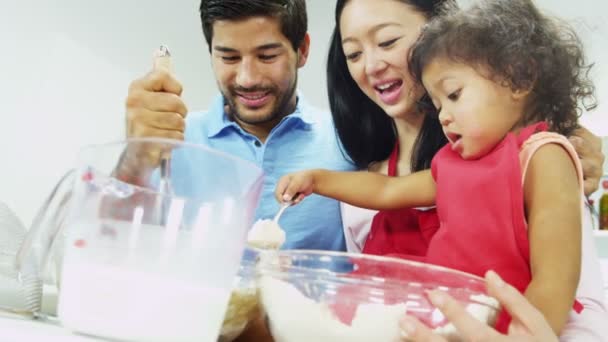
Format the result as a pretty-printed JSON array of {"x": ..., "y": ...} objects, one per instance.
[{"x": 528, "y": 323}]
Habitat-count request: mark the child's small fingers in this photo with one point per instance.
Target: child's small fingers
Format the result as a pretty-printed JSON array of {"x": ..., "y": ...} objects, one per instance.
[
  {"x": 300, "y": 197},
  {"x": 280, "y": 188},
  {"x": 292, "y": 189}
]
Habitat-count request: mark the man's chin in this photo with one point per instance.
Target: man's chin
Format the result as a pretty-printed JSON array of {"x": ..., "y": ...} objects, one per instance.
[{"x": 254, "y": 117}]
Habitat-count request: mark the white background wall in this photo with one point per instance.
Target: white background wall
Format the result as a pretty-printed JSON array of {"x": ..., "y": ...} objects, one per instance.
[{"x": 66, "y": 66}]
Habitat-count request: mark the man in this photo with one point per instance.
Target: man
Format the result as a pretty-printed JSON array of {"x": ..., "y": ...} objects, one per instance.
[{"x": 256, "y": 48}]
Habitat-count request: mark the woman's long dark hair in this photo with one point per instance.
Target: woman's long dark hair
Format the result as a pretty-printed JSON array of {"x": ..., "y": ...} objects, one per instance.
[{"x": 366, "y": 132}]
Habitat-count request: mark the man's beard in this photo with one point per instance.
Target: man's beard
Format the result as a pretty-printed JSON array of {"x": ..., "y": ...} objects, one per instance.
[{"x": 279, "y": 110}]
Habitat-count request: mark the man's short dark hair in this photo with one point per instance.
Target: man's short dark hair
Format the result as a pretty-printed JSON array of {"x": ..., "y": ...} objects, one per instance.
[{"x": 290, "y": 13}]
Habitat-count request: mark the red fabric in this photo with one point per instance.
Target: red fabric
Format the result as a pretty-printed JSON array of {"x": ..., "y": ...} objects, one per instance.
[
  {"x": 483, "y": 224},
  {"x": 405, "y": 232},
  {"x": 481, "y": 209},
  {"x": 578, "y": 307}
]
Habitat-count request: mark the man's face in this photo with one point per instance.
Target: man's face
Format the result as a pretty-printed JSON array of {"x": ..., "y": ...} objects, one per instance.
[{"x": 256, "y": 68}]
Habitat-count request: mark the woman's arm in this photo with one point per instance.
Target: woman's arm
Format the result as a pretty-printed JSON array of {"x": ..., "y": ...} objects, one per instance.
[
  {"x": 363, "y": 189},
  {"x": 553, "y": 205}
]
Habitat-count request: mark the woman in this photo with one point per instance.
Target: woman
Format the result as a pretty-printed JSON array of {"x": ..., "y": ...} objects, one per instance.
[{"x": 380, "y": 113}]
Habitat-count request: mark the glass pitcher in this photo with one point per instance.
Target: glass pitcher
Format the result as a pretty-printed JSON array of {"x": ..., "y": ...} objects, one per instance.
[{"x": 147, "y": 240}]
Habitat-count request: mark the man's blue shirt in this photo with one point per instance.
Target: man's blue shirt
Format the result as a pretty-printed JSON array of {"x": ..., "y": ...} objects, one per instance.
[{"x": 302, "y": 140}]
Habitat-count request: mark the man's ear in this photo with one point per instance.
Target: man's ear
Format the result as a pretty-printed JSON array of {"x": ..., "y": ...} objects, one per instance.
[{"x": 303, "y": 50}]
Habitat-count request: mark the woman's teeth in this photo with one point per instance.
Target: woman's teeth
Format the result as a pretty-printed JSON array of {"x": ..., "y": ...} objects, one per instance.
[{"x": 386, "y": 86}]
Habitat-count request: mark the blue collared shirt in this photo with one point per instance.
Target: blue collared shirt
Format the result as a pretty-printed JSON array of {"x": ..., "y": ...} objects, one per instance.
[{"x": 302, "y": 140}]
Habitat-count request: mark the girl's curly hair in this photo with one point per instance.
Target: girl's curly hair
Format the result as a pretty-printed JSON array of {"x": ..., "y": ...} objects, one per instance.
[{"x": 521, "y": 48}]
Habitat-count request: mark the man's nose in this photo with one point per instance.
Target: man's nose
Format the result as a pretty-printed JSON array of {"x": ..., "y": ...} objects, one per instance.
[{"x": 248, "y": 75}]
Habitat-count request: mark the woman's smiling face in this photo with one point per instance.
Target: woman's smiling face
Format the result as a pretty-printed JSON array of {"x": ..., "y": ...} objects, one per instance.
[{"x": 376, "y": 37}]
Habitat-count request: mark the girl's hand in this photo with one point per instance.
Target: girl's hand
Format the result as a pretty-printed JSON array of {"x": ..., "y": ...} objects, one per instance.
[
  {"x": 528, "y": 323},
  {"x": 295, "y": 186}
]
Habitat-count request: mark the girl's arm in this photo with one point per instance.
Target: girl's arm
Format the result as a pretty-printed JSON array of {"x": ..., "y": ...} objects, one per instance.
[
  {"x": 552, "y": 197},
  {"x": 363, "y": 189}
]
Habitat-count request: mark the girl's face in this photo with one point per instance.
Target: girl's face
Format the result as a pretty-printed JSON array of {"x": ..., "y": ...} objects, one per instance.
[
  {"x": 475, "y": 111},
  {"x": 376, "y": 37}
]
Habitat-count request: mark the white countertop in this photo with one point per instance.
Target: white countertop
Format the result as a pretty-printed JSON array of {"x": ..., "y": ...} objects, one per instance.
[
  {"x": 15, "y": 329},
  {"x": 18, "y": 329},
  {"x": 35, "y": 330}
]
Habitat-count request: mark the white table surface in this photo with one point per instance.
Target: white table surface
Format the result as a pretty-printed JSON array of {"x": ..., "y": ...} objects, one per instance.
[
  {"x": 34, "y": 330},
  {"x": 17, "y": 329},
  {"x": 14, "y": 329}
]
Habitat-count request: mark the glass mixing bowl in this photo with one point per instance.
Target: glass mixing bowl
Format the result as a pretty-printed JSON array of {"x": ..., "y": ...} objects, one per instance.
[{"x": 334, "y": 296}]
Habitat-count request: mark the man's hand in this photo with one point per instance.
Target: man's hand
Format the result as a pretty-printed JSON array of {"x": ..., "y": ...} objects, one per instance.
[
  {"x": 154, "y": 105},
  {"x": 154, "y": 108},
  {"x": 589, "y": 149}
]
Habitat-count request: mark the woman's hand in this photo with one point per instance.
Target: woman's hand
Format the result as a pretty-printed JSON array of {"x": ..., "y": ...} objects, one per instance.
[
  {"x": 589, "y": 149},
  {"x": 528, "y": 323}
]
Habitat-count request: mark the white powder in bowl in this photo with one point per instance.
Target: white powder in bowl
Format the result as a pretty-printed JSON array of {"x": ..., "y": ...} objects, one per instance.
[
  {"x": 296, "y": 318},
  {"x": 282, "y": 301}
]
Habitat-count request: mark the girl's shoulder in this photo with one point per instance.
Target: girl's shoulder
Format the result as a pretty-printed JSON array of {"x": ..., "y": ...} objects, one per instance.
[{"x": 537, "y": 140}]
